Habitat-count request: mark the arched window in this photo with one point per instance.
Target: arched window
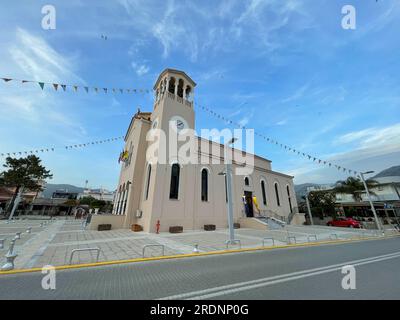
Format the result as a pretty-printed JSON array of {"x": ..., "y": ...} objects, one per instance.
[
  {"x": 289, "y": 199},
  {"x": 121, "y": 202},
  {"x": 246, "y": 181},
  {"x": 174, "y": 188},
  {"x": 204, "y": 185},
  {"x": 264, "y": 196},
  {"x": 180, "y": 88},
  {"x": 188, "y": 93},
  {"x": 277, "y": 195},
  {"x": 148, "y": 181},
  {"x": 171, "y": 87},
  {"x": 126, "y": 197}
]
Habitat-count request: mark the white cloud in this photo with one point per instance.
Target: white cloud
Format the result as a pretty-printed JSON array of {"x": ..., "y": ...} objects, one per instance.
[
  {"x": 32, "y": 58},
  {"x": 140, "y": 69},
  {"x": 372, "y": 137},
  {"x": 281, "y": 123},
  {"x": 375, "y": 148},
  {"x": 36, "y": 58},
  {"x": 299, "y": 93}
]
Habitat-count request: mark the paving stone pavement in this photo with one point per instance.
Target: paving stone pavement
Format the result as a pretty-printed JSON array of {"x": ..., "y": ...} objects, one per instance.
[{"x": 52, "y": 244}]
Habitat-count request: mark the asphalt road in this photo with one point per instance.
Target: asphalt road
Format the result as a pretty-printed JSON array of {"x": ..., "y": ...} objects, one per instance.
[{"x": 293, "y": 273}]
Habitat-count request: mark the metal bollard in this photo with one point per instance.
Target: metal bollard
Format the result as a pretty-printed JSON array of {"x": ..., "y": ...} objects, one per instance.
[
  {"x": 196, "y": 248},
  {"x": 11, "y": 247},
  {"x": 17, "y": 236},
  {"x": 29, "y": 230},
  {"x": 9, "y": 265},
  {"x": 2, "y": 243}
]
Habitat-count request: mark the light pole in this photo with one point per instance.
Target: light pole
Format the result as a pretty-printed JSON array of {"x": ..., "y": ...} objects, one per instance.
[
  {"x": 17, "y": 200},
  {"x": 228, "y": 175},
  {"x": 308, "y": 207},
  {"x": 378, "y": 224}
]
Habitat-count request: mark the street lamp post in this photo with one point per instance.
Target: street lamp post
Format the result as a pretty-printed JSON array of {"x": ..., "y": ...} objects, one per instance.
[
  {"x": 308, "y": 207},
  {"x": 378, "y": 224},
  {"x": 228, "y": 174},
  {"x": 17, "y": 200}
]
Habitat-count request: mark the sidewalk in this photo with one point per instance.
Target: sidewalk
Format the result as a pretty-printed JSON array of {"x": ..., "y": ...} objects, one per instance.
[{"x": 52, "y": 244}]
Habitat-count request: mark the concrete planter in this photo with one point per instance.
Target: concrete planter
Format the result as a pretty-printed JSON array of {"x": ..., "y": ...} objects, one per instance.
[
  {"x": 209, "y": 227},
  {"x": 104, "y": 227},
  {"x": 176, "y": 229},
  {"x": 136, "y": 228}
]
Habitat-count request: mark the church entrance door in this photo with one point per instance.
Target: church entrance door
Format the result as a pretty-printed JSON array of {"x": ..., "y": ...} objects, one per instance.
[{"x": 248, "y": 204}]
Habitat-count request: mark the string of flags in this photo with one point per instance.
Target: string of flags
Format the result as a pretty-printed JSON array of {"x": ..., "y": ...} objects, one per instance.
[
  {"x": 76, "y": 88},
  {"x": 281, "y": 145},
  {"x": 53, "y": 149}
]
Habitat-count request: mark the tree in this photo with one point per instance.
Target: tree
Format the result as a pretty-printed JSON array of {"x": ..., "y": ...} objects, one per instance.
[
  {"x": 93, "y": 203},
  {"x": 322, "y": 202},
  {"x": 24, "y": 174},
  {"x": 353, "y": 186}
]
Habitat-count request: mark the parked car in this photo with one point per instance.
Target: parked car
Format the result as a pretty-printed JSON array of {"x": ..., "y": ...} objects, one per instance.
[{"x": 344, "y": 222}]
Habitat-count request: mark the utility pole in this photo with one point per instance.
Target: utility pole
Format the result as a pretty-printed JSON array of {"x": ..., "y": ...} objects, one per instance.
[
  {"x": 228, "y": 174},
  {"x": 378, "y": 223}
]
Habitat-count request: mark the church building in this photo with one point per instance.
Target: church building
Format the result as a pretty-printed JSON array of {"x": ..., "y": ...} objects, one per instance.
[{"x": 191, "y": 195}]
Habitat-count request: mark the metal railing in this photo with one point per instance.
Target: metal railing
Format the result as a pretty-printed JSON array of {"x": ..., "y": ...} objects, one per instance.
[
  {"x": 84, "y": 249},
  {"x": 291, "y": 237},
  {"x": 263, "y": 241},
  {"x": 229, "y": 242},
  {"x": 312, "y": 236},
  {"x": 153, "y": 245},
  {"x": 334, "y": 236}
]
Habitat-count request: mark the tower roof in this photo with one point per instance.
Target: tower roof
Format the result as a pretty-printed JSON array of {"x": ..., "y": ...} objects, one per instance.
[{"x": 174, "y": 71}]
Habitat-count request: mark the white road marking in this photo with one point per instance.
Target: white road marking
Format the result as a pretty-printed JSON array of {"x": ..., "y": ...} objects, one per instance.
[{"x": 253, "y": 284}]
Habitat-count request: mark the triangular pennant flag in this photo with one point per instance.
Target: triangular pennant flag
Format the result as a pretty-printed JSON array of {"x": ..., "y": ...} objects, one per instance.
[
  {"x": 76, "y": 88},
  {"x": 64, "y": 87},
  {"x": 41, "y": 84},
  {"x": 24, "y": 81},
  {"x": 6, "y": 79},
  {"x": 105, "y": 90},
  {"x": 55, "y": 85},
  {"x": 96, "y": 89},
  {"x": 86, "y": 89},
  {"x": 121, "y": 90}
]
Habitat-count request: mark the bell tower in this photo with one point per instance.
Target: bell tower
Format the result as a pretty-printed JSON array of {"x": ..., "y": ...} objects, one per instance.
[{"x": 174, "y": 93}]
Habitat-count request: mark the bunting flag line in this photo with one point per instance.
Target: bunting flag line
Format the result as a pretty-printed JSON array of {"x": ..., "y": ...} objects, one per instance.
[
  {"x": 53, "y": 149},
  {"x": 283, "y": 146},
  {"x": 76, "y": 88}
]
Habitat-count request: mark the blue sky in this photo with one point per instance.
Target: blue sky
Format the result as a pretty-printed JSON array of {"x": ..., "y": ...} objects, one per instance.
[{"x": 285, "y": 68}]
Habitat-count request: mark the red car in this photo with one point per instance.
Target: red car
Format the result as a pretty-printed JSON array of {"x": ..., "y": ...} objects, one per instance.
[{"x": 344, "y": 222}]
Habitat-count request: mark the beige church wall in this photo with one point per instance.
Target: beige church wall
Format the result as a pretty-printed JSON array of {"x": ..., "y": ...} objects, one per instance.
[
  {"x": 116, "y": 221},
  {"x": 139, "y": 172}
]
